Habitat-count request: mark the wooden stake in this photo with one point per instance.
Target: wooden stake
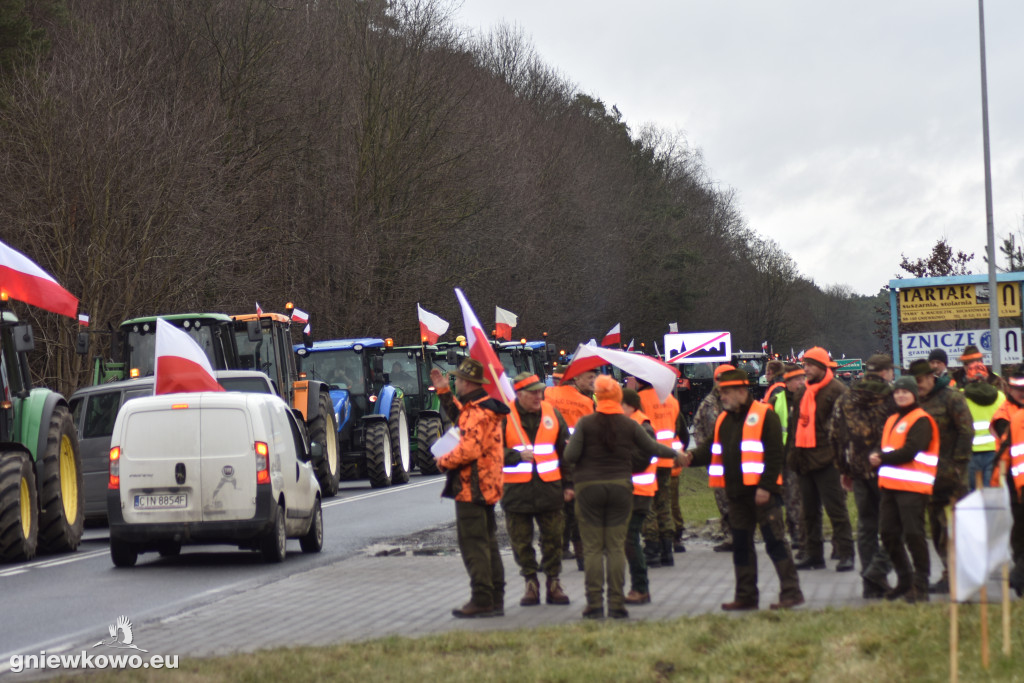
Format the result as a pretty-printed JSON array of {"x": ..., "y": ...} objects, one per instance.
[{"x": 954, "y": 632}]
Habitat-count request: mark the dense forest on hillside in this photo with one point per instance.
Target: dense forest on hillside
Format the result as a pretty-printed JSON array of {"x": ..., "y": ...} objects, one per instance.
[{"x": 357, "y": 157}]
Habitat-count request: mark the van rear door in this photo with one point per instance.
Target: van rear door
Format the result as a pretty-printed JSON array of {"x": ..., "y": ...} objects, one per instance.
[
  {"x": 229, "y": 458},
  {"x": 159, "y": 464}
]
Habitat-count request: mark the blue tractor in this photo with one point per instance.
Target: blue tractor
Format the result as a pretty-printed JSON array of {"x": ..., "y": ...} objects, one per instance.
[{"x": 373, "y": 427}]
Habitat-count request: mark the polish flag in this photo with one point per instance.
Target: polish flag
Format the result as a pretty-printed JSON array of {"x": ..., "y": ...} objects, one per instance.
[
  {"x": 659, "y": 374},
  {"x": 480, "y": 349},
  {"x": 83, "y": 320},
  {"x": 307, "y": 330},
  {"x": 504, "y": 321},
  {"x": 181, "y": 364},
  {"x": 431, "y": 326},
  {"x": 673, "y": 328},
  {"x": 614, "y": 336},
  {"x": 23, "y": 280},
  {"x": 259, "y": 311},
  {"x": 631, "y": 347},
  {"x": 300, "y": 316}
]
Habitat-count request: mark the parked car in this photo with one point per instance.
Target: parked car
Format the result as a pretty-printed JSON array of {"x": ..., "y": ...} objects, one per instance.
[
  {"x": 94, "y": 410},
  {"x": 211, "y": 468}
]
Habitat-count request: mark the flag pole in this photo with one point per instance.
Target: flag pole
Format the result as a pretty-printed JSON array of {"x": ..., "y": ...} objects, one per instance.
[
  {"x": 984, "y": 601},
  {"x": 515, "y": 423},
  {"x": 954, "y": 633}
]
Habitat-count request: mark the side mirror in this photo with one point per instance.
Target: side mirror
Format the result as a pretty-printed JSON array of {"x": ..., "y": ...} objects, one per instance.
[
  {"x": 24, "y": 339},
  {"x": 452, "y": 357},
  {"x": 82, "y": 343},
  {"x": 316, "y": 451},
  {"x": 117, "y": 347},
  {"x": 253, "y": 331}
]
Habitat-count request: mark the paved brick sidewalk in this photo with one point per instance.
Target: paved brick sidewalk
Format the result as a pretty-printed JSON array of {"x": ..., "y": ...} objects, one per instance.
[{"x": 411, "y": 595}]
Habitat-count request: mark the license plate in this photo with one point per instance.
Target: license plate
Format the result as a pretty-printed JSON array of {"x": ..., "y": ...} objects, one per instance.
[{"x": 171, "y": 501}]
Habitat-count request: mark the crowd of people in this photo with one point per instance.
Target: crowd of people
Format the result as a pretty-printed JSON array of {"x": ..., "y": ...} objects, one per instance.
[{"x": 594, "y": 467}]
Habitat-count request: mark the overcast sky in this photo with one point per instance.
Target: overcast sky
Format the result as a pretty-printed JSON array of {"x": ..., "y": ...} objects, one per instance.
[{"x": 850, "y": 131}]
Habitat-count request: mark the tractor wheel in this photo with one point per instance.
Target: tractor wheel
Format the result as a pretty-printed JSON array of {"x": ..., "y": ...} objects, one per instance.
[
  {"x": 428, "y": 430},
  {"x": 378, "y": 454},
  {"x": 398, "y": 428},
  {"x": 19, "y": 511},
  {"x": 324, "y": 431},
  {"x": 61, "y": 515}
]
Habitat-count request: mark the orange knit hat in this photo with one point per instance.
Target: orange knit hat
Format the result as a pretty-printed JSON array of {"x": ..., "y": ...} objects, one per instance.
[{"x": 607, "y": 389}]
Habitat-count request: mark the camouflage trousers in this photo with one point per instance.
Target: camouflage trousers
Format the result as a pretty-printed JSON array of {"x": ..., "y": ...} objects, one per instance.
[
  {"x": 659, "y": 522},
  {"x": 677, "y": 512},
  {"x": 520, "y": 536},
  {"x": 793, "y": 502},
  {"x": 722, "y": 503}
]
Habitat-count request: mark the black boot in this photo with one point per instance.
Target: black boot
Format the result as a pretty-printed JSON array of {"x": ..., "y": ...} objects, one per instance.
[
  {"x": 667, "y": 558},
  {"x": 652, "y": 555}
]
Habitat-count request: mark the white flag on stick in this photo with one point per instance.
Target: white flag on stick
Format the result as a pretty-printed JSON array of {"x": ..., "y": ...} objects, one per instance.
[{"x": 983, "y": 523}]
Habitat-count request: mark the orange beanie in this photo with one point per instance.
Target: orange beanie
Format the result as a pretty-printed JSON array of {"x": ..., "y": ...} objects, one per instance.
[{"x": 607, "y": 389}]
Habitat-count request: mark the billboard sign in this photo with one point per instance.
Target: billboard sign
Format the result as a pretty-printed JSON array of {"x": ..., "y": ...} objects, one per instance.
[
  {"x": 956, "y": 302},
  {"x": 916, "y": 345}
]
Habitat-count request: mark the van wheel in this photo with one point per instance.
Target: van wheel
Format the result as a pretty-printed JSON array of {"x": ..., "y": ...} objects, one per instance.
[
  {"x": 273, "y": 543},
  {"x": 428, "y": 430},
  {"x": 19, "y": 508},
  {"x": 313, "y": 541},
  {"x": 398, "y": 428},
  {"x": 325, "y": 432},
  {"x": 378, "y": 454},
  {"x": 61, "y": 499},
  {"x": 123, "y": 553}
]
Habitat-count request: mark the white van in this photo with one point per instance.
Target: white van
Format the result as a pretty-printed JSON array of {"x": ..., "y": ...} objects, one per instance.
[{"x": 211, "y": 467}]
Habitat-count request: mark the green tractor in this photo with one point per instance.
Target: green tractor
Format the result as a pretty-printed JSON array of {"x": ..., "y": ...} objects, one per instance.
[
  {"x": 41, "y": 502},
  {"x": 408, "y": 368}
]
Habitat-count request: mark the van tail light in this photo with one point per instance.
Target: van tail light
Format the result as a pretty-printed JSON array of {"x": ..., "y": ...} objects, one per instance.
[
  {"x": 262, "y": 463},
  {"x": 114, "y": 481}
]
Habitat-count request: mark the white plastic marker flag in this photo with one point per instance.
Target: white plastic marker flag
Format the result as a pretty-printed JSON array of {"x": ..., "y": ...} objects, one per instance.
[
  {"x": 181, "y": 365},
  {"x": 300, "y": 316},
  {"x": 480, "y": 349},
  {"x": 659, "y": 374},
  {"x": 613, "y": 337},
  {"x": 673, "y": 328},
  {"x": 83, "y": 320},
  {"x": 504, "y": 321},
  {"x": 21, "y": 279},
  {"x": 983, "y": 522},
  {"x": 431, "y": 326}
]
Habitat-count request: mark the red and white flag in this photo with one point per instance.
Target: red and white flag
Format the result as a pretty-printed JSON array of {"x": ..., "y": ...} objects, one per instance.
[
  {"x": 23, "y": 280},
  {"x": 259, "y": 311},
  {"x": 431, "y": 326},
  {"x": 83, "y": 320},
  {"x": 307, "y": 330},
  {"x": 480, "y": 349},
  {"x": 300, "y": 316},
  {"x": 504, "y": 321},
  {"x": 764, "y": 346},
  {"x": 181, "y": 365},
  {"x": 659, "y": 374},
  {"x": 631, "y": 347},
  {"x": 613, "y": 337}
]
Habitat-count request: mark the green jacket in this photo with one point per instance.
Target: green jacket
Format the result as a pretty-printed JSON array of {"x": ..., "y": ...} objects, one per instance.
[
  {"x": 730, "y": 435},
  {"x": 535, "y": 495},
  {"x": 804, "y": 460}
]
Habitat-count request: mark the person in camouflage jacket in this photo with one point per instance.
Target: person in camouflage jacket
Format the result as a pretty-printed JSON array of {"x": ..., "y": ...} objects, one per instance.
[
  {"x": 858, "y": 419},
  {"x": 948, "y": 408},
  {"x": 474, "y": 479},
  {"x": 703, "y": 432}
]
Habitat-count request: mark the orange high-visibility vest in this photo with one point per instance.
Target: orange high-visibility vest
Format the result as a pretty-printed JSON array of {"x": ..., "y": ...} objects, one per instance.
[
  {"x": 767, "y": 395},
  {"x": 663, "y": 416},
  {"x": 751, "y": 449},
  {"x": 545, "y": 458},
  {"x": 645, "y": 483},
  {"x": 918, "y": 475},
  {"x": 1006, "y": 412},
  {"x": 570, "y": 403},
  {"x": 1017, "y": 450}
]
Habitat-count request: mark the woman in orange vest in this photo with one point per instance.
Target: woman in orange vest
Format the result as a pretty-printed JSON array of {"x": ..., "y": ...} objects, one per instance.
[{"x": 906, "y": 463}]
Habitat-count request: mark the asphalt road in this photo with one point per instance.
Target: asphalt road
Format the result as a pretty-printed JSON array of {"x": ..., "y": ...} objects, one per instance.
[{"x": 58, "y": 599}]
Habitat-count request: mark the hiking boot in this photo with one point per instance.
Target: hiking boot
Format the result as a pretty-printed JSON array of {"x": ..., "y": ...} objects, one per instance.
[
  {"x": 637, "y": 598},
  {"x": 620, "y": 613},
  {"x": 811, "y": 563},
  {"x": 593, "y": 613},
  {"x": 473, "y": 611},
  {"x": 845, "y": 565},
  {"x": 738, "y": 606},
  {"x": 677, "y": 543},
  {"x": 898, "y": 592},
  {"x": 788, "y": 603},
  {"x": 652, "y": 555},
  {"x": 940, "y": 587},
  {"x": 873, "y": 591},
  {"x": 556, "y": 596},
  {"x": 723, "y": 547},
  {"x": 531, "y": 596},
  {"x": 667, "y": 558}
]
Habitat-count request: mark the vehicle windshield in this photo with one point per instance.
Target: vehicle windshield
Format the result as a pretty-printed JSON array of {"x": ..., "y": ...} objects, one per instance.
[
  {"x": 402, "y": 369},
  {"x": 342, "y": 369},
  {"x": 257, "y": 355},
  {"x": 141, "y": 339},
  {"x": 751, "y": 367},
  {"x": 245, "y": 385}
]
